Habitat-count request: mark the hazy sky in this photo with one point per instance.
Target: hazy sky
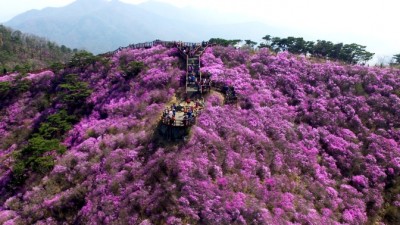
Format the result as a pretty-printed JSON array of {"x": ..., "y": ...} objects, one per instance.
[{"x": 368, "y": 22}]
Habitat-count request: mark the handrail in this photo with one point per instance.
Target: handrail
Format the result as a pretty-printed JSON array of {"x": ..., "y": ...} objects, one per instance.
[{"x": 168, "y": 44}]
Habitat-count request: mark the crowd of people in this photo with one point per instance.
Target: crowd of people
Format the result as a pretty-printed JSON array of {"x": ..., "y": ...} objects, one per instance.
[
  {"x": 203, "y": 83},
  {"x": 190, "y": 110},
  {"x": 190, "y": 49}
]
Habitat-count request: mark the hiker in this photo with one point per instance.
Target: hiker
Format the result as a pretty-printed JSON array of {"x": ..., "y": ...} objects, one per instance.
[
  {"x": 185, "y": 120},
  {"x": 225, "y": 89},
  {"x": 198, "y": 86},
  {"x": 233, "y": 92},
  {"x": 192, "y": 78},
  {"x": 165, "y": 113}
]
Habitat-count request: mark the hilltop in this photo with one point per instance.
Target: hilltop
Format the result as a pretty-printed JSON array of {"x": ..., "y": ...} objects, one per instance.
[
  {"x": 307, "y": 142},
  {"x": 24, "y": 52}
]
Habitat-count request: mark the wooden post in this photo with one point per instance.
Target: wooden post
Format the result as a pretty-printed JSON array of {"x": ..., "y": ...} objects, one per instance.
[
  {"x": 201, "y": 88},
  {"x": 187, "y": 72}
]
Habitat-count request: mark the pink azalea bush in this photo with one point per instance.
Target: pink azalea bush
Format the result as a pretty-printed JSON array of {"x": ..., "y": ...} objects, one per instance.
[{"x": 307, "y": 143}]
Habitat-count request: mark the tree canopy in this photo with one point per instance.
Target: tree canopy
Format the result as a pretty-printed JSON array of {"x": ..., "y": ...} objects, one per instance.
[
  {"x": 350, "y": 53},
  {"x": 224, "y": 42},
  {"x": 24, "y": 52},
  {"x": 396, "y": 59}
]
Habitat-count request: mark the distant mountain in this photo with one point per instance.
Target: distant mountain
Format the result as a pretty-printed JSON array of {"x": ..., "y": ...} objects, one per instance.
[
  {"x": 19, "y": 51},
  {"x": 100, "y": 25}
]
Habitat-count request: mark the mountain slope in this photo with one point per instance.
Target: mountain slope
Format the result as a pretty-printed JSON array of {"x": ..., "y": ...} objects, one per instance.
[
  {"x": 100, "y": 26},
  {"x": 28, "y": 52},
  {"x": 307, "y": 143}
]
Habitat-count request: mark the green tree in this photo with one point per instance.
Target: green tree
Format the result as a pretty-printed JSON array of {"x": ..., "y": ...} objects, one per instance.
[
  {"x": 74, "y": 91},
  {"x": 56, "y": 66},
  {"x": 322, "y": 48},
  {"x": 309, "y": 45},
  {"x": 5, "y": 88},
  {"x": 297, "y": 45},
  {"x": 224, "y": 42},
  {"x": 354, "y": 53},
  {"x": 335, "y": 51},
  {"x": 250, "y": 43},
  {"x": 396, "y": 59},
  {"x": 39, "y": 145},
  {"x": 56, "y": 125},
  {"x": 82, "y": 59},
  {"x": 133, "y": 69},
  {"x": 267, "y": 42},
  {"x": 350, "y": 53},
  {"x": 276, "y": 44}
]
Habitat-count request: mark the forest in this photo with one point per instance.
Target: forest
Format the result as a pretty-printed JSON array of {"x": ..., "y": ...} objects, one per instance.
[
  {"x": 24, "y": 52},
  {"x": 348, "y": 53}
]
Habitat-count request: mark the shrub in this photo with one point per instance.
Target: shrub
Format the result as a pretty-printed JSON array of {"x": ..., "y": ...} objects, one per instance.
[
  {"x": 42, "y": 164},
  {"x": 82, "y": 59},
  {"x": 38, "y": 145},
  {"x": 74, "y": 92},
  {"x": 5, "y": 88},
  {"x": 56, "y": 125},
  {"x": 133, "y": 69}
]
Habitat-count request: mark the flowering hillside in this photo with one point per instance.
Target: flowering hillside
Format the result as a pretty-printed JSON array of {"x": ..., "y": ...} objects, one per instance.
[{"x": 307, "y": 143}]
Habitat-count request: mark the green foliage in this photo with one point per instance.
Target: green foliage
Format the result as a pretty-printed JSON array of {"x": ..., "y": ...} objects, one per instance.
[
  {"x": 391, "y": 212},
  {"x": 396, "y": 59},
  {"x": 56, "y": 125},
  {"x": 18, "y": 51},
  {"x": 132, "y": 69},
  {"x": 359, "y": 88},
  {"x": 83, "y": 59},
  {"x": 23, "y": 69},
  {"x": 74, "y": 91},
  {"x": 250, "y": 43},
  {"x": 5, "y": 88},
  {"x": 397, "y": 92},
  {"x": 42, "y": 164},
  {"x": 42, "y": 102},
  {"x": 18, "y": 170},
  {"x": 56, "y": 67},
  {"x": 224, "y": 42},
  {"x": 31, "y": 157},
  {"x": 267, "y": 41},
  {"x": 91, "y": 133},
  {"x": 35, "y": 156},
  {"x": 21, "y": 85},
  {"x": 38, "y": 145},
  {"x": 350, "y": 53},
  {"x": 354, "y": 53},
  {"x": 10, "y": 90}
]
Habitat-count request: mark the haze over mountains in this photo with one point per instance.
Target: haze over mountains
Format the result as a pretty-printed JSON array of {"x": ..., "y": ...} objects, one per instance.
[{"x": 100, "y": 25}]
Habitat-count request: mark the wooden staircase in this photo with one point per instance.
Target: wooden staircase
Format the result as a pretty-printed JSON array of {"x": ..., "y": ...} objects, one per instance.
[{"x": 196, "y": 84}]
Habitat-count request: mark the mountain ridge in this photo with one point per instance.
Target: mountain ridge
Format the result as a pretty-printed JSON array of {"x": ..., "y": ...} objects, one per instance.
[
  {"x": 21, "y": 51},
  {"x": 111, "y": 24}
]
